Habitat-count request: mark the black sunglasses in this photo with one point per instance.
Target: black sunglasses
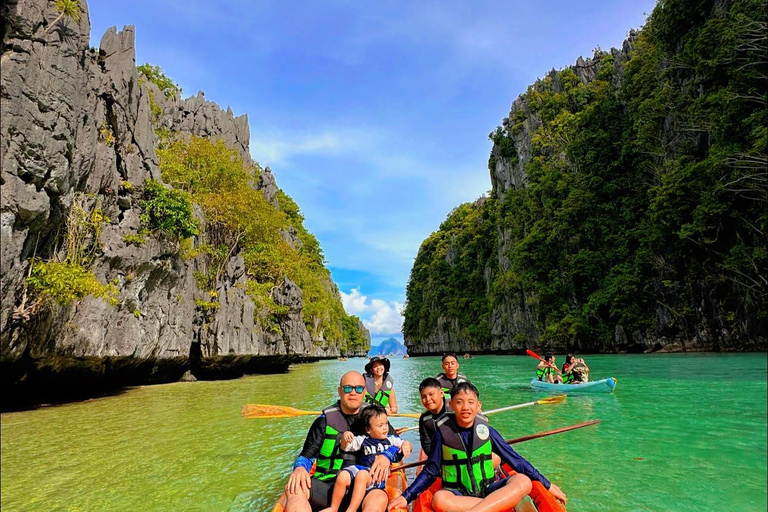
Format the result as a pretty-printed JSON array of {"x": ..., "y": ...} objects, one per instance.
[{"x": 348, "y": 389}]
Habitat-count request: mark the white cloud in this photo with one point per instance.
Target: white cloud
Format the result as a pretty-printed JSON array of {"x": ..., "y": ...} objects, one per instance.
[
  {"x": 387, "y": 318},
  {"x": 271, "y": 150},
  {"x": 382, "y": 317},
  {"x": 354, "y": 302}
]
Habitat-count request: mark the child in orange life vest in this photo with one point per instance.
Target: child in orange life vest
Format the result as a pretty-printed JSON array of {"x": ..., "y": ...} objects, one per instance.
[
  {"x": 465, "y": 428},
  {"x": 377, "y": 442}
]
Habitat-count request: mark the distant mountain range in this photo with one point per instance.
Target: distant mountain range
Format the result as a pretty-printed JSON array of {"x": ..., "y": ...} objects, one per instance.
[{"x": 388, "y": 347}]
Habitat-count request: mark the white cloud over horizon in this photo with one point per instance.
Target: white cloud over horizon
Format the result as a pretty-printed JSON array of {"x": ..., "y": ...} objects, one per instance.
[{"x": 380, "y": 317}]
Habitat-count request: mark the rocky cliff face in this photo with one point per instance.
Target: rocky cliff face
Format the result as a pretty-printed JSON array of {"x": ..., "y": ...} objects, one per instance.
[
  {"x": 77, "y": 128},
  {"x": 609, "y": 228}
]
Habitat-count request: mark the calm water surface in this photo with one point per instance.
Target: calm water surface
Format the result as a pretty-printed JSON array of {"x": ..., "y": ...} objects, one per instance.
[{"x": 681, "y": 433}]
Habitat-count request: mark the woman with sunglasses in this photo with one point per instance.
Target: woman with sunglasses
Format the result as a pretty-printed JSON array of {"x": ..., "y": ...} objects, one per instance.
[
  {"x": 304, "y": 492},
  {"x": 379, "y": 384}
]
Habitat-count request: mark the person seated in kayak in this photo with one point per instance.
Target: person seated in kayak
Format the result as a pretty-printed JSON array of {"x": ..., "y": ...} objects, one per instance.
[
  {"x": 377, "y": 441},
  {"x": 467, "y": 473},
  {"x": 547, "y": 370},
  {"x": 379, "y": 384},
  {"x": 575, "y": 370},
  {"x": 433, "y": 400},
  {"x": 305, "y": 493},
  {"x": 450, "y": 376}
]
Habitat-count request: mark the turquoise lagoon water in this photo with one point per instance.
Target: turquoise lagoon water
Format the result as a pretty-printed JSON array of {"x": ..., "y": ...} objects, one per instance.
[{"x": 682, "y": 432}]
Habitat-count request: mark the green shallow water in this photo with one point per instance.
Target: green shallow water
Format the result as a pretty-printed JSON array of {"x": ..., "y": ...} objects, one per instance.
[{"x": 681, "y": 432}]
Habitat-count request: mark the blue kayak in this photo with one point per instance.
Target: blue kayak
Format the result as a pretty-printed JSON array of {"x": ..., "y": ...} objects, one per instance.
[{"x": 595, "y": 386}]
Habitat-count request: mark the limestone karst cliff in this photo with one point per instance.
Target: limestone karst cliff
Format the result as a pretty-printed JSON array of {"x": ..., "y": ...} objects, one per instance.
[
  {"x": 628, "y": 203},
  {"x": 80, "y": 130}
]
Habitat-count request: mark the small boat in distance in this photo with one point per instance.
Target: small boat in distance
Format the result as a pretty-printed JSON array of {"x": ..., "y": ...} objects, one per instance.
[
  {"x": 594, "y": 386},
  {"x": 342, "y": 358}
]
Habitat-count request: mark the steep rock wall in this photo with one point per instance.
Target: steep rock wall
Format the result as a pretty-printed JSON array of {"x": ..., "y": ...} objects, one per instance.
[
  {"x": 77, "y": 127},
  {"x": 614, "y": 231}
]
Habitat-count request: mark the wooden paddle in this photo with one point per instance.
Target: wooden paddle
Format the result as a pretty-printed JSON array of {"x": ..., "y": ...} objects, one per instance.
[
  {"x": 251, "y": 411},
  {"x": 516, "y": 440},
  {"x": 534, "y": 354},
  {"x": 544, "y": 401}
]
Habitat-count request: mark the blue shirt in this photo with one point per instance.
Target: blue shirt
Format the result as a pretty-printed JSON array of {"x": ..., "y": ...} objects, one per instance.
[
  {"x": 432, "y": 469},
  {"x": 367, "y": 448}
]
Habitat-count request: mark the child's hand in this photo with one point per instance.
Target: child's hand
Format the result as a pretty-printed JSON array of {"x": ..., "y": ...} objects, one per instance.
[
  {"x": 347, "y": 437},
  {"x": 407, "y": 448}
]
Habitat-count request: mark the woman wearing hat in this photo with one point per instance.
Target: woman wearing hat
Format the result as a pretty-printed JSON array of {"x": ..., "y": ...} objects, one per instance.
[{"x": 379, "y": 384}]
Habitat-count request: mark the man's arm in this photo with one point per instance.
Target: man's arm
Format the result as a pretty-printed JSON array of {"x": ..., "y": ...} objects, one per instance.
[
  {"x": 314, "y": 440},
  {"x": 299, "y": 480},
  {"x": 512, "y": 458}
]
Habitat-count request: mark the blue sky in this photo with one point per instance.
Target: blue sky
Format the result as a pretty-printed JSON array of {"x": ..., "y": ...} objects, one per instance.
[{"x": 374, "y": 116}]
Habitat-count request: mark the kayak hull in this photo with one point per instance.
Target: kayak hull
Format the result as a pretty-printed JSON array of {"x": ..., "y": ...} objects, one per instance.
[
  {"x": 539, "y": 499},
  {"x": 596, "y": 386},
  {"x": 396, "y": 484}
]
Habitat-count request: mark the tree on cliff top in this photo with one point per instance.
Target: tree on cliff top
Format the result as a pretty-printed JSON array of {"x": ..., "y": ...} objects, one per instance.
[{"x": 68, "y": 8}]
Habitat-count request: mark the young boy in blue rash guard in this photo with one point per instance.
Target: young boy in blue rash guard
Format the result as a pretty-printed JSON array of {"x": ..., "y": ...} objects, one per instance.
[
  {"x": 461, "y": 454},
  {"x": 366, "y": 447}
]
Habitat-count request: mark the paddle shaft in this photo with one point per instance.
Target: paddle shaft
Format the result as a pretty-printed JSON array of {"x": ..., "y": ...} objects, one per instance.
[
  {"x": 536, "y": 356},
  {"x": 518, "y": 440},
  {"x": 550, "y": 400}
]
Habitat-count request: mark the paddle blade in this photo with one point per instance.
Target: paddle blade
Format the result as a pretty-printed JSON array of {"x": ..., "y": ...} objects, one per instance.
[
  {"x": 552, "y": 399},
  {"x": 251, "y": 411}
]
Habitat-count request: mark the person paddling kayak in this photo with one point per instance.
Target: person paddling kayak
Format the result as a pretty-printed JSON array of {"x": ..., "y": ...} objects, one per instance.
[
  {"x": 467, "y": 473},
  {"x": 546, "y": 370},
  {"x": 379, "y": 384},
  {"x": 304, "y": 493}
]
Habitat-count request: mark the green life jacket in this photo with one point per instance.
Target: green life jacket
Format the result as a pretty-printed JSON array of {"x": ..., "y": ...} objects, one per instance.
[
  {"x": 447, "y": 385},
  {"x": 468, "y": 470},
  {"x": 332, "y": 458},
  {"x": 567, "y": 377},
  {"x": 543, "y": 372},
  {"x": 381, "y": 396}
]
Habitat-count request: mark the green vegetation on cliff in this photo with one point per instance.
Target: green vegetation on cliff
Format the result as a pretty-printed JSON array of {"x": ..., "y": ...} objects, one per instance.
[
  {"x": 273, "y": 241},
  {"x": 70, "y": 278},
  {"x": 646, "y": 199},
  {"x": 447, "y": 278}
]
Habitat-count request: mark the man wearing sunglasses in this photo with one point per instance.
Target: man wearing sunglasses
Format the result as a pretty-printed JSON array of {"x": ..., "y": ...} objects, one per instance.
[{"x": 304, "y": 493}]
